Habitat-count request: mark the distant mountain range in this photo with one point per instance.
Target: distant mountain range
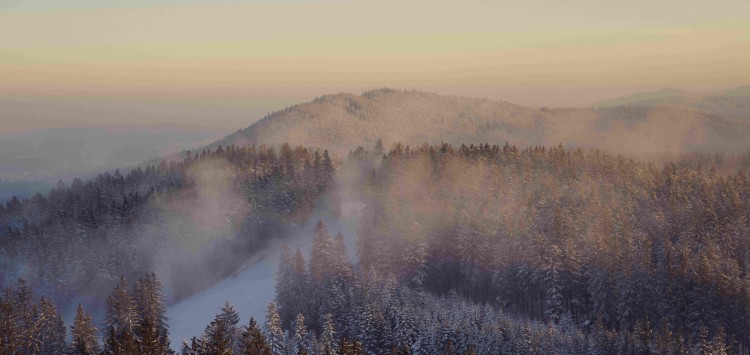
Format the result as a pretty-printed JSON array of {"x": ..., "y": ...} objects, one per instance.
[
  {"x": 341, "y": 122},
  {"x": 733, "y": 103}
]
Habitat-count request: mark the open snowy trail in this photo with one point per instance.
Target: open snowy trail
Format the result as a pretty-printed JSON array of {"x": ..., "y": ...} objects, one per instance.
[
  {"x": 252, "y": 288},
  {"x": 250, "y": 291}
]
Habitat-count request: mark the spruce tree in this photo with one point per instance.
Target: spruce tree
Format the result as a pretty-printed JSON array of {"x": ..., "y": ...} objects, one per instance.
[
  {"x": 218, "y": 337},
  {"x": 252, "y": 341},
  {"x": 341, "y": 267},
  {"x": 328, "y": 337},
  {"x": 50, "y": 328},
  {"x": 300, "y": 344},
  {"x": 85, "y": 341},
  {"x": 321, "y": 260},
  {"x": 121, "y": 321},
  {"x": 274, "y": 332},
  {"x": 152, "y": 327},
  {"x": 24, "y": 315},
  {"x": 9, "y": 332},
  {"x": 231, "y": 318}
]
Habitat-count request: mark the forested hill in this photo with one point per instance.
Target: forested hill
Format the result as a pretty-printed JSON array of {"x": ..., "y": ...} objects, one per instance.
[
  {"x": 461, "y": 250},
  {"x": 193, "y": 222},
  {"x": 732, "y": 104},
  {"x": 341, "y": 122}
]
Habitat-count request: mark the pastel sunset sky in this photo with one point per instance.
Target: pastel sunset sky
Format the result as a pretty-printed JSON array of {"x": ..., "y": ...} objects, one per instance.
[{"x": 227, "y": 63}]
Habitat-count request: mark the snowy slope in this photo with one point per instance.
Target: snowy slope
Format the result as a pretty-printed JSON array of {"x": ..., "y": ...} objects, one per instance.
[
  {"x": 252, "y": 288},
  {"x": 249, "y": 291}
]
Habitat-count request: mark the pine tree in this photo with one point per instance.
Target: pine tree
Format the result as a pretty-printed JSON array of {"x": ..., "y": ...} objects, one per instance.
[
  {"x": 553, "y": 298},
  {"x": 304, "y": 298},
  {"x": 599, "y": 288},
  {"x": 230, "y": 316},
  {"x": 300, "y": 343},
  {"x": 85, "y": 341},
  {"x": 285, "y": 284},
  {"x": 321, "y": 259},
  {"x": 274, "y": 332},
  {"x": 378, "y": 149},
  {"x": 9, "y": 332},
  {"x": 328, "y": 337},
  {"x": 152, "y": 328},
  {"x": 217, "y": 337},
  {"x": 121, "y": 321},
  {"x": 196, "y": 347},
  {"x": 341, "y": 267},
  {"x": 252, "y": 340},
  {"x": 24, "y": 313},
  {"x": 326, "y": 170},
  {"x": 50, "y": 328}
]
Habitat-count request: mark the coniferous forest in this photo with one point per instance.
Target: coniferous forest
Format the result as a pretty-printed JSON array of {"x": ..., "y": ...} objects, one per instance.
[{"x": 459, "y": 250}]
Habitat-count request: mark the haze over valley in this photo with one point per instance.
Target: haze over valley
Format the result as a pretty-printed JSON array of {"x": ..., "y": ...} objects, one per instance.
[{"x": 327, "y": 177}]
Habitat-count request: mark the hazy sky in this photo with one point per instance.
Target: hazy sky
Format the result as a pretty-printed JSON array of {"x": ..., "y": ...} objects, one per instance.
[{"x": 226, "y": 63}]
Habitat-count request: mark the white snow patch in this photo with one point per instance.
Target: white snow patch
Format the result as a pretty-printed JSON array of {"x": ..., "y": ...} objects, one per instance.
[{"x": 252, "y": 288}]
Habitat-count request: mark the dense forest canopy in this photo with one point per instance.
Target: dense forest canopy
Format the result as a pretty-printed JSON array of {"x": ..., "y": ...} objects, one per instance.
[
  {"x": 194, "y": 221},
  {"x": 460, "y": 249}
]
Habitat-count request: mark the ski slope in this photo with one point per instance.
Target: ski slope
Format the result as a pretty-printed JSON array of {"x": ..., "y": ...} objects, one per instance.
[
  {"x": 250, "y": 291},
  {"x": 252, "y": 288}
]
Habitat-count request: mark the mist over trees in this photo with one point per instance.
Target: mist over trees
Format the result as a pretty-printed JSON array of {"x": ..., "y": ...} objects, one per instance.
[
  {"x": 460, "y": 250},
  {"x": 195, "y": 220},
  {"x": 341, "y": 122}
]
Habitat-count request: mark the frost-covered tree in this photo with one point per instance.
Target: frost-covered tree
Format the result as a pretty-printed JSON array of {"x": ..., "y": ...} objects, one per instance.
[
  {"x": 328, "y": 337},
  {"x": 322, "y": 255},
  {"x": 274, "y": 332},
  {"x": 300, "y": 343},
  {"x": 83, "y": 332},
  {"x": 121, "y": 321},
  {"x": 152, "y": 329},
  {"x": 50, "y": 328}
]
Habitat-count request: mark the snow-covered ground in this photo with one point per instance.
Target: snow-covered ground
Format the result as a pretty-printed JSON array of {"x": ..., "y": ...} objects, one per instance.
[
  {"x": 252, "y": 288},
  {"x": 249, "y": 291}
]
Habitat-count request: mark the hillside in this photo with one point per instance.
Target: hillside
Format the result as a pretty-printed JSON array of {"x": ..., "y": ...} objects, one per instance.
[
  {"x": 341, "y": 122},
  {"x": 732, "y": 103}
]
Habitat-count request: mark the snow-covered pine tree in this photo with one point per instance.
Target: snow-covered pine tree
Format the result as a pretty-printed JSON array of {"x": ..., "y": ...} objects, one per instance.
[
  {"x": 300, "y": 343},
  {"x": 83, "y": 332},
  {"x": 328, "y": 337},
  {"x": 9, "y": 331},
  {"x": 303, "y": 297},
  {"x": 274, "y": 332},
  {"x": 553, "y": 298},
  {"x": 285, "y": 282},
  {"x": 24, "y": 312},
  {"x": 120, "y": 322},
  {"x": 195, "y": 347},
  {"x": 50, "y": 328},
  {"x": 341, "y": 267},
  {"x": 152, "y": 328},
  {"x": 599, "y": 289},
  {"x": 321, "y": 257}
]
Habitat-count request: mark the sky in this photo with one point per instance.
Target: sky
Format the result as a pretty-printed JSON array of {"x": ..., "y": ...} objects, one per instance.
[{"x": 227, "y": 63}]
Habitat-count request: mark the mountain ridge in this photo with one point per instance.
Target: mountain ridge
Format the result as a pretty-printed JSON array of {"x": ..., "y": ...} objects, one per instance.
[
  {"x": 732, "y": 103},
  {"x": 341, "y": 122}
]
